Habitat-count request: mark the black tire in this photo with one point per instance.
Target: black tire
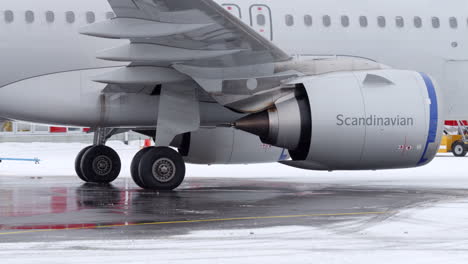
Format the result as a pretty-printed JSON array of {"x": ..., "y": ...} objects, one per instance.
[
  {"x": 135, "y": 165},
  {"x": 458, "y": 149},
  {"x": 78, "y": 163},
  {"x": 100, "y": 164},
  {"x": 162, "y": 168}
]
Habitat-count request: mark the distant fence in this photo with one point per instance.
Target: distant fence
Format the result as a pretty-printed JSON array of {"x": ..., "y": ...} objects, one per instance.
[{"x": 29, "y": 132}]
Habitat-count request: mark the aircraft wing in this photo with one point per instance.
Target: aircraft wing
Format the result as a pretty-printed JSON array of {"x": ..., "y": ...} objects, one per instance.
[
  {"x": 198, "y": 41},
  {"x": 165, "y": 32},
  {"x": 175, "y": 40}
]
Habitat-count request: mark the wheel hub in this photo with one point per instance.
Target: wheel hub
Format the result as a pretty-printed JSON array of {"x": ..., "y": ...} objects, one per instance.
[
  {"x": 164, "y": 170},
  {"x": 102, "y": 165},
  {"x": 458, "y": 149}
]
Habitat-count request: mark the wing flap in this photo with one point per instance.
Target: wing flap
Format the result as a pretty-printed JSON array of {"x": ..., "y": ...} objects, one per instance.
[
  {"x": 128, "y": 28},
  {"x": 141, "y": 75},
  {"x": 142, "y": 52},
  {"x": 200, "y": 25}
]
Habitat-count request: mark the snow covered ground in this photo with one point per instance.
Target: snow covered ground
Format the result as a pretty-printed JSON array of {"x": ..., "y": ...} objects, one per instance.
[
  {"x": 445, "y": 171},
  {"x": 438, "y": 234},
  {"x": 435, "y": 233}
]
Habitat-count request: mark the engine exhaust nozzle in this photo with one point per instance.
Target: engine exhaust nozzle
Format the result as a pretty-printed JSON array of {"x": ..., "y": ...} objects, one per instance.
[{"x": 280, "y": 126}]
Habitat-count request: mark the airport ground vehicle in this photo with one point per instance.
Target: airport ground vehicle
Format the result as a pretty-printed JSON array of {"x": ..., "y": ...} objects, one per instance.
[{"x": 456, "y": 143}]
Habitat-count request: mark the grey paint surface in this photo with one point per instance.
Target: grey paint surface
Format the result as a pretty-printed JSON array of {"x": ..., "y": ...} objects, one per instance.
[{"x": 230, "y": 146}]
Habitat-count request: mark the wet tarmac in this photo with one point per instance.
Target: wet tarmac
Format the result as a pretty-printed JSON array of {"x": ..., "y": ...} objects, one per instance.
[{"x": 62, "y": 208}]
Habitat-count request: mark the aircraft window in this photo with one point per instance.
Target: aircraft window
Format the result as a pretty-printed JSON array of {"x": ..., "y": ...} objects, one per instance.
[
  {"x": 9, "y": 16},
  {"x": 435, "y": 22},
  {"x": 308, "y": 20},
  {"x": 70, "y": 17},
  {"x": 90, "y": 17},
  {"x": 453, "y": 22},
  {"x": 400, "y": 22},
  {"x": 261, "y": 20},
  {"x": 327, "y": 21},
  {"x": 345, "y": 21},
  {"x": 50, "y": 16},
  {"x": 381, "y": 21},
  {"x": 363, "y": 21},
  {"x": 417, "y": 22},
  {"x": 29, "y": 15},
  {"x": 289, "y": 20},
  {"x": 110, "y": 15}
]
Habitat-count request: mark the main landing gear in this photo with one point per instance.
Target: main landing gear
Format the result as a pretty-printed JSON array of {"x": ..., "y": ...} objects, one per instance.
[
  {"x": 98, "y": 164},
  {"x": 154, "y": 168},
  {"x": 158, "y": 168}
]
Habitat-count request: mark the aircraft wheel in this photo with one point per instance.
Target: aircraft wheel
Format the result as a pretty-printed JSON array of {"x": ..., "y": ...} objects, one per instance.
[
  {"x": 135, "y": 164},
  {"x": 458, "y": 149},
  {"x": 100, "y": 164},
  {"x": 78, "y": 159},
  {"x": 162, "y": 168}
]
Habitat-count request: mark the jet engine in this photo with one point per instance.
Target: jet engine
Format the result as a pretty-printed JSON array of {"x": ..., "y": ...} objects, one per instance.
[
  {"x": 225, "y": 145},
  {"x": 362, "y": 120}
]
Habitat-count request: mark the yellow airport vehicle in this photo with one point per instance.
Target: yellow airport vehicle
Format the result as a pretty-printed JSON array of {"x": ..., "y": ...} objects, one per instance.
[
  {"x": 454, "y": 144},
  {"x": 457, "y": 144}
]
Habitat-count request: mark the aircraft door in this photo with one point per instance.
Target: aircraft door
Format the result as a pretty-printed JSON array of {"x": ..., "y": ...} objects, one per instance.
[
  {"x": 233, "y": 9},
  {"x": 261, "y": 20}
]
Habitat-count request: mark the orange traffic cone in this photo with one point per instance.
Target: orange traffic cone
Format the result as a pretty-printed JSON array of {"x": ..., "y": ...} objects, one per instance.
[{"x": 147, "y": 143}]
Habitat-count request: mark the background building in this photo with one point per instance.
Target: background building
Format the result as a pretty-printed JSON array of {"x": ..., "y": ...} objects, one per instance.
[{"x": 30, "y": 132}]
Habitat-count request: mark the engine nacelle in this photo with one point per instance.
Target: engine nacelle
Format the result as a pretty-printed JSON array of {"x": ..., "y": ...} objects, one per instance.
[
  {"x": 355, "y": 121},
  {"x": 226, "y": 146}
]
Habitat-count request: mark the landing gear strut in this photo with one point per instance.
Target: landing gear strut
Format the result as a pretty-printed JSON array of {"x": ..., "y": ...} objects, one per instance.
[
  {"x": 98, "y": 163},
  {"x": 162, "y": 168},
  {"x": 158, "y": 168}
]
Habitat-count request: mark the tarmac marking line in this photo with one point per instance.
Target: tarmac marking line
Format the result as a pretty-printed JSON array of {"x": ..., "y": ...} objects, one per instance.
[{"x": 196, "y": 221}]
